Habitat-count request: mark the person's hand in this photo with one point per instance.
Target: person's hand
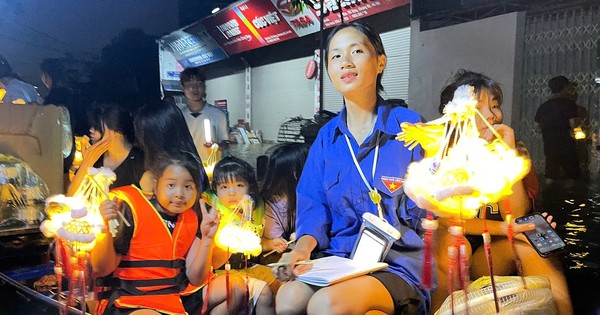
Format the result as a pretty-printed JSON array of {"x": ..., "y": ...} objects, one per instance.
[
  {"x": 517, "y": 228},
  {"x": 277, "y": 244},
  {"x": 108, "y": 209},
  {"x": 549, "y": 219},
  {"x": 290, "y": 270},
  {"x": 506, "y": 132},
  {"x": 210, "y": 221},
  {"x": 95, "y": 151}
]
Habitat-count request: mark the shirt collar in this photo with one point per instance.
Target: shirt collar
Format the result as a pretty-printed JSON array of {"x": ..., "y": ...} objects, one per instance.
[{"x": 385, "y": 122}]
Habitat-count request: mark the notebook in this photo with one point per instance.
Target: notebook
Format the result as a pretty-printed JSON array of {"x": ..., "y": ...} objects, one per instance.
[{"x": 333, "y": 269}]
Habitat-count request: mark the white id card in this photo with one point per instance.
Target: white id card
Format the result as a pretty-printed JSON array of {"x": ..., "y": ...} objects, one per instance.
[{"x": 375, "y": 240}]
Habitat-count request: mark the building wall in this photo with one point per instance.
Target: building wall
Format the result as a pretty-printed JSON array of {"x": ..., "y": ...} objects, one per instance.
[
  {"x": 230, "y": 88},
  {"x": 279, "y": 92},
  {"x": 492, "y": 46}
]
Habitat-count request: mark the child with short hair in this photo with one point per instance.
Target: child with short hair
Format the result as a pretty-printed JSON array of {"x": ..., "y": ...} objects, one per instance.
[
  {"x": 233, "y": 180},
  {"x": 150, "y": 262}
]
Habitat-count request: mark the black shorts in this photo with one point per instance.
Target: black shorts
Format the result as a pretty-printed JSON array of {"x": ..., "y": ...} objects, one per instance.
[{"x": 406, "y": 299}]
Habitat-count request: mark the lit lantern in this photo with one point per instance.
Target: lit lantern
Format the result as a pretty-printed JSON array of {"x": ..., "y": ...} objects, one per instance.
[
  {"x": 213, "y": 149},
  {"x": 578, "y": 133},
  {"x": 81, "y": 144},
  {"x": 238, "y": 233},
  {"x": 76, "y": 222},
  {"x": 211, "y": 161},
  {"x": 207, "y": 133},
  {"x": 461, "y": 172}
]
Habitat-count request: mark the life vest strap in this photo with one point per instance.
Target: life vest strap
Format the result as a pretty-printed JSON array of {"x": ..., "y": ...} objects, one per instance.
[{"x": 175, "y": 264}]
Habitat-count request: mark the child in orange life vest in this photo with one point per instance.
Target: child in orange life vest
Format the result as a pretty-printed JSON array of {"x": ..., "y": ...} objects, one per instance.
[
  {"x": 233, "y": 180},
  {"x": 149, "y": 263}
]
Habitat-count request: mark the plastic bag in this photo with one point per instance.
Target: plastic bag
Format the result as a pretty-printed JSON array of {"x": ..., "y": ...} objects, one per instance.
[{"x": 22, "y": 194}]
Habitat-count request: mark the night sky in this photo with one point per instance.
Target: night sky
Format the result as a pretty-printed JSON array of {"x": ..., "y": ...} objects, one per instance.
[{"x": 31, "y": 30}]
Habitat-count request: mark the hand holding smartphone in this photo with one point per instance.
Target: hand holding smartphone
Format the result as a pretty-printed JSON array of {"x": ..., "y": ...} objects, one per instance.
[{"x": 543, "y": 238}]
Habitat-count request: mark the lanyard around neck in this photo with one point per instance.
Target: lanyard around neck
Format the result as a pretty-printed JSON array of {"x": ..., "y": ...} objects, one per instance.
[{"x": 373, "y": 193}]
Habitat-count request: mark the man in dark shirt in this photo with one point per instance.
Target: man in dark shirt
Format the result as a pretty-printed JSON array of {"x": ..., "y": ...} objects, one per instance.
[{"x": 556, "y": 118}]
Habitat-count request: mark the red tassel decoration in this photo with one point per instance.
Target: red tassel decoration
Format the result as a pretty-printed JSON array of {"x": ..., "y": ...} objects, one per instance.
[
  {"x": 464, "y": 273},
  {"x": 452, "y": 253},
  {"x": 487, "y": 239},
  {"x": 429, "y": 225},
  {"x": 247, "y": 295},
  {"x": 204, "y": 310},
  {"x": 58, "y": 271},
  {"x": 453, "y": 260},
  {"x": 510, "y": 234}
]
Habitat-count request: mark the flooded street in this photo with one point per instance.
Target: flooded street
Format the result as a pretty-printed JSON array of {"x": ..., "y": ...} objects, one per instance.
[{"x": 576, "y": 209}]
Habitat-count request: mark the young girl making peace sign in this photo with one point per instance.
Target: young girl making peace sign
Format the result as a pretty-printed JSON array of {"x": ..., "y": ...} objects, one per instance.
[{"x": 151, "y": 262}]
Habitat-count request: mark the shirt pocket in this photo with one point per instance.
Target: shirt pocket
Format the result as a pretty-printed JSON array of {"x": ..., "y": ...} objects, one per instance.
[
  {"x": 389, "y": 181},
  {"x": 331, "y": 181}
]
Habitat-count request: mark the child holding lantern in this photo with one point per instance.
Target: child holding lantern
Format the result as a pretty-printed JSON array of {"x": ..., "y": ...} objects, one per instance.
[
  {"x": 240, "y": 205},
  {"x": 146, "y": 260},
  {"x": 490, "y": 99}
]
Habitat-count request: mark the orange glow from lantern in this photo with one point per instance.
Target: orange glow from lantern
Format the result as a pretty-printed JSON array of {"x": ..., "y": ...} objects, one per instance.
[
  {"x": 237, "y": 233},
  {"x": 461, "y": 171}
]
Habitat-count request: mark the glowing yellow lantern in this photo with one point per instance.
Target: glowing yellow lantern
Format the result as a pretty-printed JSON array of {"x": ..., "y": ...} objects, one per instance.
[
  {"x": 461, "y": 171},
  {"x": 578, "y": 133},
  {"x": 237, "y": 233}
]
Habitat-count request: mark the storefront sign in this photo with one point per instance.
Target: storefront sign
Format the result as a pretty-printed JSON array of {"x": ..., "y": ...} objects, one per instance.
[
  {"x": 253, "y": 24},
  {"x": 250, "y": 25},
  {"x": 351, "y": 9},
  {"x": 169, "y": 69},
  {"x": 302, "y": 21},
  {"x": 193, "y": 46},
  {"x": 222, "y": 104}
]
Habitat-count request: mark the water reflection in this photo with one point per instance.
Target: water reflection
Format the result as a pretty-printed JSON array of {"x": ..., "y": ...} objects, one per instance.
[{"x": 576, "y": 209}]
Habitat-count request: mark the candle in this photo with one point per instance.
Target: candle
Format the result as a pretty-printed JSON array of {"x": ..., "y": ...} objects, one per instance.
[{"x": 207, "y": 131}]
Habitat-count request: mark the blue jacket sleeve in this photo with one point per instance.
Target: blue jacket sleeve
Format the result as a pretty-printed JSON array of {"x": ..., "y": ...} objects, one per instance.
[{"x": 313, "y": 215}]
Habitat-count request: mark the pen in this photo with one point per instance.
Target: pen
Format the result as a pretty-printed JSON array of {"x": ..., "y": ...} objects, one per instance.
[
  {"x": 273, "y": 251},
  {"x": 301, "y": 262}
]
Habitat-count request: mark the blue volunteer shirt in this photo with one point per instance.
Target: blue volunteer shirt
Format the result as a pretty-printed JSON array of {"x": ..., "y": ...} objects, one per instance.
[{"x": 332, "y": 197}]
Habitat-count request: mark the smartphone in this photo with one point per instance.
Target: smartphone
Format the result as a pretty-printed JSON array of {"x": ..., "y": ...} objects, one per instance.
[
  {"x": 543, "y": 238},
  {"x": 374, "y": 241},
  {"x": 370, "y": 248}
]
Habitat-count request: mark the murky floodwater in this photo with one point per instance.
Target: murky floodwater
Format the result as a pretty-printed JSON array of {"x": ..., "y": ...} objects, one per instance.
[{"x": 576, "y": 208}]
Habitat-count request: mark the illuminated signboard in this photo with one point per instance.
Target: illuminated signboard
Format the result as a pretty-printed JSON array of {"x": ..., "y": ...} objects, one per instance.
[
  {"x": 351, "y": 9},
  {"x": 193, "y": 46},
  {"x": 249, "y": 25}
]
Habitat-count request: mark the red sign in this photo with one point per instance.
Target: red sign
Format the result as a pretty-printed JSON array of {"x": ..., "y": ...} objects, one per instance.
[
  {"x": 252, "y": 24},
  {"x": 257, "y": 23},
  {"x": 351, "y": 9},
  {"x": 222, "y": 104}
]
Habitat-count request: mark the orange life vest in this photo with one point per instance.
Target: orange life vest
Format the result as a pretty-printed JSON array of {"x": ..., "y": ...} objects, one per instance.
[{"x": 151, "y": 275}]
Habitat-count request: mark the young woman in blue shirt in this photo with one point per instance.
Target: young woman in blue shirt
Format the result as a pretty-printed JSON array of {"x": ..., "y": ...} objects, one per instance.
[{"x": 355, "y": 157}]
